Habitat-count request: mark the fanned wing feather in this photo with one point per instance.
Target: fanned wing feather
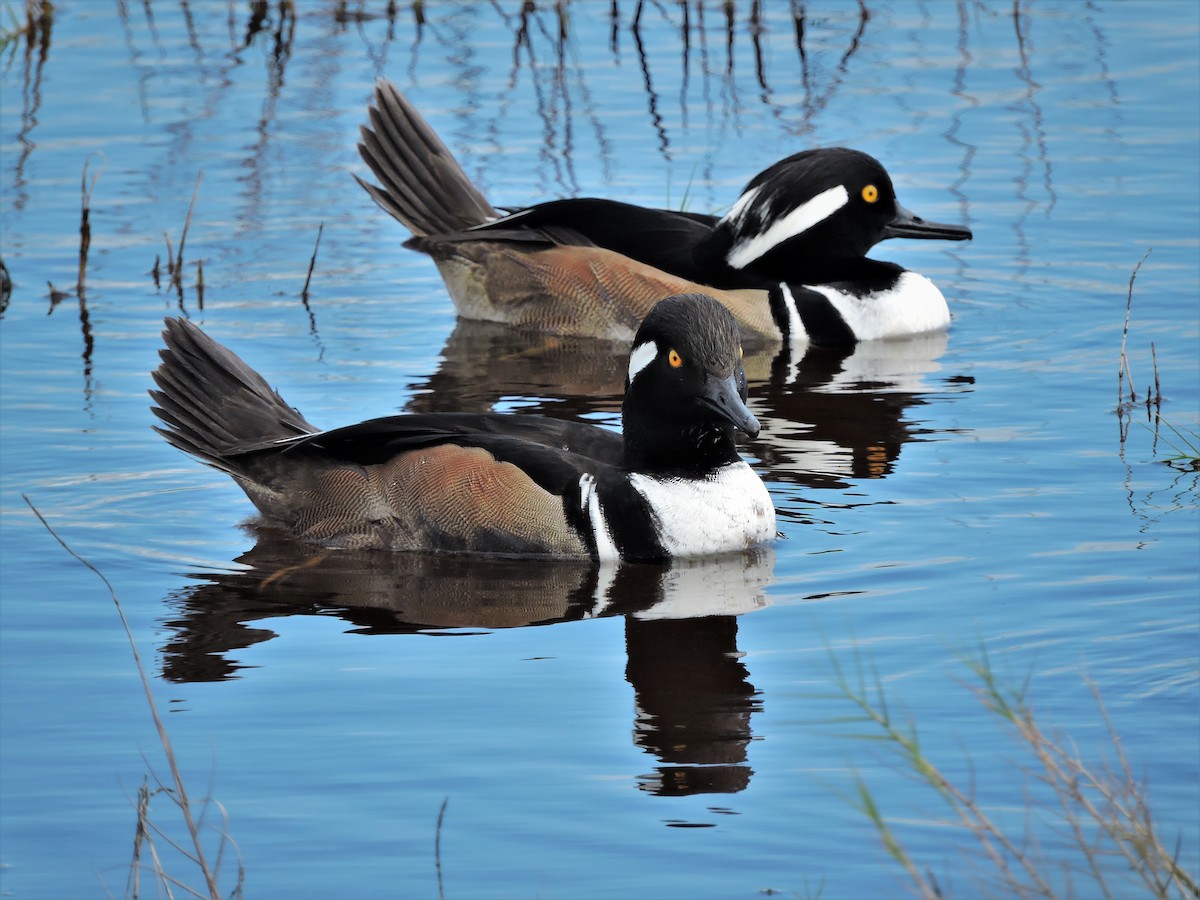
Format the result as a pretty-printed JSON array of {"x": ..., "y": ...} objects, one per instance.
[{"x": 422, "y": 183}]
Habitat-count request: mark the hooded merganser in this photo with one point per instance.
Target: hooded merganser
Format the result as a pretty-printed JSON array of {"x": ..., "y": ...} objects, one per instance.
[
  {"x": 788, "y": 259},
  {"x": 671, "y": 485}
]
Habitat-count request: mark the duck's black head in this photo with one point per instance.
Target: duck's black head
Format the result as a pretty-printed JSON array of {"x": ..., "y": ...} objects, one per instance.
[
  {"x": 816, "y": 210},
  {"x": 685, "y": 393}
]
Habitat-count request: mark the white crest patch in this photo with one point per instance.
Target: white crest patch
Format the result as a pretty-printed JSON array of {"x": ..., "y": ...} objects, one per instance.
[
  {"x": 799, "y": 220},
  {"x": 642, "y": 356},
  {"x": 914, "y": 305},
  {"x": 729, "y": 510},
  {"x": 739, "y": 207}
]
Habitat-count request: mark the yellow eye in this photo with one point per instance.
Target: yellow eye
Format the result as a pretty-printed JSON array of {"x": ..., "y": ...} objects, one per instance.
[
  {"x": 870, "y": 193},
  {"x": 675, "y": 359}
]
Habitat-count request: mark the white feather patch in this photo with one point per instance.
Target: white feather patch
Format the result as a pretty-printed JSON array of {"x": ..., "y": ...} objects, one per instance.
[
  {"x": 729, "y": 510},
  {"x": 642, "y": 356},
  {"x": 797, "y": 333},
  {"x": 914, "y": 305},
  {"x": 606, "y": 547},
  {"x": 741, "y": 203},
  {"x": 799, "y": 220}
]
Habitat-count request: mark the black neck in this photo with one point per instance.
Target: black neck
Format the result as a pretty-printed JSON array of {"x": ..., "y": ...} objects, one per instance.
[
  {"x": 868, "y": 275},
  {"x": 802, "y": 260},
  {"x": 655, "y": 445}
]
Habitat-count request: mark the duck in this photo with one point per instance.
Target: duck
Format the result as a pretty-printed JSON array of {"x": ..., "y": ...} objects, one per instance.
[
  {"x": 788, "y": 259},
  {"x": 671, "y": 484}
]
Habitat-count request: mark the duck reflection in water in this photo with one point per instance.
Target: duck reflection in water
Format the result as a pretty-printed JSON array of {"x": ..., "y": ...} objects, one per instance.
[
  {"x": 693, "y": 697},
  {"x": 829, "y": 416},
  {"x": 694, "y": 702}
]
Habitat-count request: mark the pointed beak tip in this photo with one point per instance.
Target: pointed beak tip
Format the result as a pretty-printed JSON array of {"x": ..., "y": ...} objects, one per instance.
[
  {"x": 748, "y": 422},
  {"x": 907, "y": 225},
  {"x": 723, "y": 398}
]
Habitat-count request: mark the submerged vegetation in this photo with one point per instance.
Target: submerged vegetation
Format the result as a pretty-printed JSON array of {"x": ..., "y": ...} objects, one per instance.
[{"x": 1186, "y": 444}]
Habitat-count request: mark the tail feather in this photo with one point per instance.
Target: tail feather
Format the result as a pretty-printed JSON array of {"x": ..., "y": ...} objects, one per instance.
[
  {"x": 421, "y": 183},
  {"x": 215, "y": 406}
]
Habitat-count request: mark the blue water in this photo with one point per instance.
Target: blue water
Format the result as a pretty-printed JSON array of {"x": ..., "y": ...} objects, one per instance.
[{"x": 687, "y": 739}]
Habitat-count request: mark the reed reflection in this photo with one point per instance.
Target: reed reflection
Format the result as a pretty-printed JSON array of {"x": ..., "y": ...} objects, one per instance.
[
  {"x": 694, "y": 701},
  {"x": 36, "y": 31}
]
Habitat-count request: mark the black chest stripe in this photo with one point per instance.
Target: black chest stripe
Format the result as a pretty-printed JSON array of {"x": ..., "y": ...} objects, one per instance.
[
  {"x": 630, "y": 520},
  {"x": 820, "y": 319},
  {"x": 575, "y": 507},
  {"x": 628, "y": 516}
]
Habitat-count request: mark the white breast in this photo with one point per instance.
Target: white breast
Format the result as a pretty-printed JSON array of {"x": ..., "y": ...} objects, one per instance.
[
  {"x": 913, "y": 306},
  {"x": 729, "y": 510}
]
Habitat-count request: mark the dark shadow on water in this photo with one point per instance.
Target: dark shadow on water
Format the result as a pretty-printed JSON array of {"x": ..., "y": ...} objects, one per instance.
[
  {"x": 694, "y": 700},
  {"x": 693, "y": 704}
]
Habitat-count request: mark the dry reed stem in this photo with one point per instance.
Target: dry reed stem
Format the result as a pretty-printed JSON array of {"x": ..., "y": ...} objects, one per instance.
[
  {"x": 312, "y": 261},
  {"x": 1124, "y": 372},
  {"x": 85, "y": 226},
  {"x": 1109, "y": 803},
  {"x": 180, "y": 797},
  {"x": 1124, "y": 814},
  {"x": 437, "y": 847},
  {"x": 1156, "y": 394},
  {"x": 970, "y": 815},
  {"x": 186, "y": 225}
]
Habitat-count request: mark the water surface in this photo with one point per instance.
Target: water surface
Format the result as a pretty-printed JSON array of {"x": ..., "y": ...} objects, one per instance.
[{"x": 669, "y": 732}]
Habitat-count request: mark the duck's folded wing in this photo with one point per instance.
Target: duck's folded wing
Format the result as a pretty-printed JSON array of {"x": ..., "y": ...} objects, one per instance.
[
  {"x": 657, "y": 237},
  {"x": 552, "y": 451},
  {"x": 444, "y": 482}
]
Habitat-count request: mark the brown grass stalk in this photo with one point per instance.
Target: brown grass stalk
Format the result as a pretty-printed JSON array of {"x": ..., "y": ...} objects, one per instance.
[
  {"x": 970, "y": 815},
  {"x": 1105, "y": 809}
]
